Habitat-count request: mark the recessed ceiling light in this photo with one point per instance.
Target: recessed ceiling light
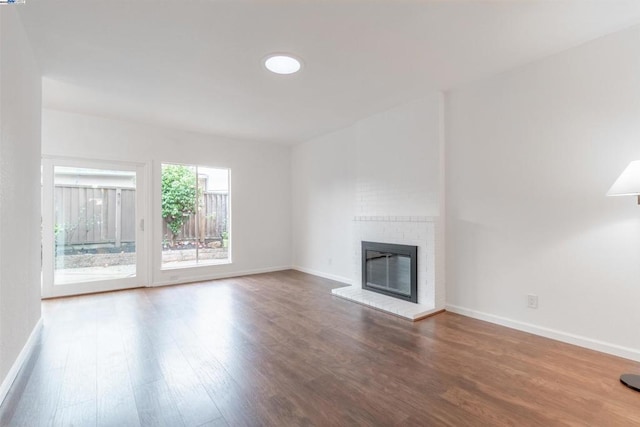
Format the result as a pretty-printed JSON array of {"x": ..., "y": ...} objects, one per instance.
[{"x": 282, "y": 64}]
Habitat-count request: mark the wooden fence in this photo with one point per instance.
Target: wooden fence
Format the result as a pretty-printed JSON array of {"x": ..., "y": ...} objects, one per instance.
[
  {"x": 87, "y": 215},
  {"x": 209, "y": 224}
]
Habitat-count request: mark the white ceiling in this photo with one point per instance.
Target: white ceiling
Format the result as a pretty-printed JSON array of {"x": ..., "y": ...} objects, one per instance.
[{"x": 196, "y": 64}]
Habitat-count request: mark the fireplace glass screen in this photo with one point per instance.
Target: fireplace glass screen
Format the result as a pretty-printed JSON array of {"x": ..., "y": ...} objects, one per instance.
[{"x": 390, "y": 269}]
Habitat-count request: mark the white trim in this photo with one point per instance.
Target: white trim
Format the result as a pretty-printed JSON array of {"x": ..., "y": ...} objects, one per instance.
[
  {"x": 395, "y": 218},
  {"x": 440, "y": 255},
  {"x": 604, "y": 347},
  {"x": 206, "y": 277},
  {"x": 97, "y": 287},
  {"x": 17, "y": 365},
  {"x": 82, "y": 160},
  {"x": 321, "y": 274},
  {"x": 181, "y": 265}
]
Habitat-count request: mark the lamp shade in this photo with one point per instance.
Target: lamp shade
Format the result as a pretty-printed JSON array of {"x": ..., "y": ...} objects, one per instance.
[{"x": 628, "y": 183}]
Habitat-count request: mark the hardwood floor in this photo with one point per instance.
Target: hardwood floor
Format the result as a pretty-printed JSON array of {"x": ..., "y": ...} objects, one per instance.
[{"x": 278, "y": 349}]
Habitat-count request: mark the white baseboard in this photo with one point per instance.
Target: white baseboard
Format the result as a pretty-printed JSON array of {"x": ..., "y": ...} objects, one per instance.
[
  {"x": 205, "y": 277},
  {"x": 22, "y": 357},
  {"x": 592, "y": 344},
  {"x": 322, "y": 274}
]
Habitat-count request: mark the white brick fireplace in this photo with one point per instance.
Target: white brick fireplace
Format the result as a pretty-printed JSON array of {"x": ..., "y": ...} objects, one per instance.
[
  {"x": 392, "y": 165},
  {"x": 420, "y": 231}
]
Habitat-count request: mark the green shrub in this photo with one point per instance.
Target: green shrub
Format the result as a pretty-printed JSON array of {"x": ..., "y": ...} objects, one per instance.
[{"x": 178, "y": 196}]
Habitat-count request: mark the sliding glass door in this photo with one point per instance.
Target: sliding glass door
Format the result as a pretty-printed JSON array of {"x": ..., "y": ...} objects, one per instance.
[{"x": 93, "y": 227}]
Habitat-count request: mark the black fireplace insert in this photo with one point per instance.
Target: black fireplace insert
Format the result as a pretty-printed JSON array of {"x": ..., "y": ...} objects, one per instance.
[{"x": 390, "y": 269}]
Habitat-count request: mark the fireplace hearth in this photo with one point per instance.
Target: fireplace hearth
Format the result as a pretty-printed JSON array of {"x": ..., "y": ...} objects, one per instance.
[
  {"x": 420, "y": 233},
  {"x": 390, "y": 269}
]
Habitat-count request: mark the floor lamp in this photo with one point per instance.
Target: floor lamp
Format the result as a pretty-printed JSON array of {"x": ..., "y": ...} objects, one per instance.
[{"x": 628, "y": 184}]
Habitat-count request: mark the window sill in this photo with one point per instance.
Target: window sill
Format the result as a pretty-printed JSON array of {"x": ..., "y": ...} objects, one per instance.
[{"x": 177, "y": 265}]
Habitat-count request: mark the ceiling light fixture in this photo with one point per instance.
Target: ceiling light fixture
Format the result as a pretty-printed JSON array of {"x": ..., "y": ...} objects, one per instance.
[{"x": 282, "y": 63}]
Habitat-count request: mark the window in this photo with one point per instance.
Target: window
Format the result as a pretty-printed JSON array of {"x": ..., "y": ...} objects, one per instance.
[{"x": 195, "y": 216}]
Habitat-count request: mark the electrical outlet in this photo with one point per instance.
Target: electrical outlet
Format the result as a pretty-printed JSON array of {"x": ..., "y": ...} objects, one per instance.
[
  {"x": 330, "y": 261},
  {"x": 532, "y": 301}
]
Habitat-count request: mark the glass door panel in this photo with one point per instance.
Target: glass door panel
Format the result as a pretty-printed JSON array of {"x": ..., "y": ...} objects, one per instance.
[{"x": 92, "y": 226}]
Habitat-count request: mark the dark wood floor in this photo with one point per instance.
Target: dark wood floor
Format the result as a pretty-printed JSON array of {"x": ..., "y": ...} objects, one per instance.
[{"x": 278, "y": 349}]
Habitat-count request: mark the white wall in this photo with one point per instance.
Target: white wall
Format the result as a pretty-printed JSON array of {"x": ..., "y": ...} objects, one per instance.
[
  {"x": 323, "y": 189},
  {"x": 530, "y": 155},
  {"x": 386, "y": 165},
  {"x": 397, "y": 160},
  {"x": 19, "y": 191},
  {"x": 260, "y": 181}
]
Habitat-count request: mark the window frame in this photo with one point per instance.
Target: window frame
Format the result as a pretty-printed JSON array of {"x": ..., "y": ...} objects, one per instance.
[{"x": 196, "y": 264}]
